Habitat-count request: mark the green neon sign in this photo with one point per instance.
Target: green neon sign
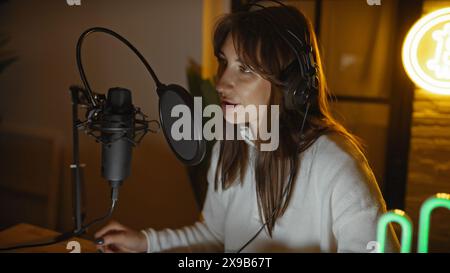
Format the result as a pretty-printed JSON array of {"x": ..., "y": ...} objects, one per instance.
[
  {"x": 439, "y": 200},
  {"x": 400, "y": 217}
]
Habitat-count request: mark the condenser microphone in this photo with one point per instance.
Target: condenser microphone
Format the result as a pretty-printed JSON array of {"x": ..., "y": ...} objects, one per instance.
[{"x": 117, "y": 129}]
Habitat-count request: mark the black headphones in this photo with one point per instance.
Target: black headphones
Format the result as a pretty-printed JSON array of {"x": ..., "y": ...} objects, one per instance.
[{"x": 300, "y": 78}]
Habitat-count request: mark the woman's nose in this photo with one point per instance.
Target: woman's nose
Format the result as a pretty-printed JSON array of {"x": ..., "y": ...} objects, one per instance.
[{"x": 224, "y": 86}]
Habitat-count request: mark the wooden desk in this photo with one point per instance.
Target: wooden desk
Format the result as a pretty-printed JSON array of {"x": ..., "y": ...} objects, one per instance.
[{"x": 26, "y": 233}]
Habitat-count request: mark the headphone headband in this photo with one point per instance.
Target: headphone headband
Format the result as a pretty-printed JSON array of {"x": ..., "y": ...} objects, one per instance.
[{"x": 298, "y": 89}]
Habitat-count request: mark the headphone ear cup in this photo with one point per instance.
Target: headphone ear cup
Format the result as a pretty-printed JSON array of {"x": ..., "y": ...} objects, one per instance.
[
  {"x": 295, "y": 86},
  {"x": 289, "y": 100},
  {"x": 301, "y": 94},
  {"x": 289, "y": 79}
]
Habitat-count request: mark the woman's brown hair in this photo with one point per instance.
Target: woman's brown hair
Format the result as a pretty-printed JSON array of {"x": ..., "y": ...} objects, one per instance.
[{"x": 256, "y": 37}]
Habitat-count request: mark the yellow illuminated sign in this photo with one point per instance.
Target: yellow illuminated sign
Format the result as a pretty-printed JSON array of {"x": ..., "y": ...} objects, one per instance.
[{"x": 426, "y": 52}]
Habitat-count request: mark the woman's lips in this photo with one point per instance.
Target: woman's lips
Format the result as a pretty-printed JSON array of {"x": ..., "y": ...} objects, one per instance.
[
  {"x": 228, "y": 103},
  {"x": 225, "y": 103}
]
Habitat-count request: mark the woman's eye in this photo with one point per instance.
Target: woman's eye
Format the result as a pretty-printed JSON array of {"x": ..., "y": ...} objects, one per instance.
[
  {"x": 245, "y": 69},
  {"x": 221, "y": 60}
]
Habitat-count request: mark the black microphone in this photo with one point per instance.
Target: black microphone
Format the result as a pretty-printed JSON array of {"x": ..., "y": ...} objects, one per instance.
[
  {"x": 117, "y": 130},
  {"x": 118, "y": 125}
]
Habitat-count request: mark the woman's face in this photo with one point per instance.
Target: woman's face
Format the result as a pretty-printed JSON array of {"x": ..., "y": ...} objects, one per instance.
[{"x": 239, "y": 85}]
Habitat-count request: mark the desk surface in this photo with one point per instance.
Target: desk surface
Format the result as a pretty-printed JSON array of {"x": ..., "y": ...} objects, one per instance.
[{"x": 26, "y": 233}]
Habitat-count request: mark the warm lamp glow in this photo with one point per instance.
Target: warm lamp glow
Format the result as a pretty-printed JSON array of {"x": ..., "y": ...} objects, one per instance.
[{"x": 426, "y": 52}]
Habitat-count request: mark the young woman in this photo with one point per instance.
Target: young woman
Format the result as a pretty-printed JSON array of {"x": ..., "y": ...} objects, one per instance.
[{"x": 314, "y": 193}]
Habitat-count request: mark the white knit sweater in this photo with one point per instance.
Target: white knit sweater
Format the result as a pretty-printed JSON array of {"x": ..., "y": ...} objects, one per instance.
[{"x": 334, "y": 208}]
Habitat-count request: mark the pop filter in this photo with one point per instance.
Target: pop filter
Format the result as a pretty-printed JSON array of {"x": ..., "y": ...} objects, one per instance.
[{"x": 189, "y": 151}]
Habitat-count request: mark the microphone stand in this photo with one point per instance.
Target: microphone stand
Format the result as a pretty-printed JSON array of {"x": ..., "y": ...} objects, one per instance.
[{"x": 77, "y": 179}]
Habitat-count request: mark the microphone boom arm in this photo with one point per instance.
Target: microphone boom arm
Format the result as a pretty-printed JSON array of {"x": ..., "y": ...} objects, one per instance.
[{"x": 123, "y": 40}]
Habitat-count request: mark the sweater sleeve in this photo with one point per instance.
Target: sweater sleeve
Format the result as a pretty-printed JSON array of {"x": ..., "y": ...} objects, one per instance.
[
  {"x": 205, "y": 235},
  {"x": 355, "y": 199}
]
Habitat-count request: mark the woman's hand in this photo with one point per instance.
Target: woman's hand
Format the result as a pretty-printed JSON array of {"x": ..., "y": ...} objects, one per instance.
[{"x": 114, "y": 237}]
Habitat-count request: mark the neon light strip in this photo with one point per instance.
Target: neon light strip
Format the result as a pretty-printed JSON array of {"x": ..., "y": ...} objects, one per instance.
[
  {"x": 401, "y": 218},
  {"x": 439, "y": 200}
]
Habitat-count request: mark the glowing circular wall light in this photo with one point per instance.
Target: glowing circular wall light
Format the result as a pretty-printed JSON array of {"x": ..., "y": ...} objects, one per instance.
[{"x": 426, "y": 52}]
